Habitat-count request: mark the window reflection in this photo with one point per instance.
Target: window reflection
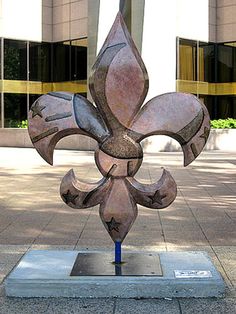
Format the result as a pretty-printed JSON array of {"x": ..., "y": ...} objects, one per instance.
[
  {"x": 1, "y": 110},
  {"x": 40, "y": 62},
  {"x": 15, "y": 60},
  {"x": 225, "y": 107},
  {"x": 1, "y": 40},
  {"x": 61, "y": 62},
  {"x": 206, "y": 61},
  {"x": 220, "y": 107},
  {"x": 32, "y": 99},
  {"x": 47, "y": 63},
  {"x": 15, "y": 109},
  {"x": 187, "y": 60},
  {"x": 78, "y": 61},
  {"x": 225, "y": 63},
  {"x": 212, "y": 63},
  {"x": 69, "y": 61}
]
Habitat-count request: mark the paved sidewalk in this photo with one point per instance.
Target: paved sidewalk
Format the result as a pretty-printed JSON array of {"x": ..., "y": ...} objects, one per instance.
[{"x": 203, "y": 217}]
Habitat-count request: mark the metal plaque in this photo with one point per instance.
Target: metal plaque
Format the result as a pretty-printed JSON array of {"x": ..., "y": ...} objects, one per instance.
[
  {"x": 102, "y": 264},
  {"x": 192, "y": 274}
]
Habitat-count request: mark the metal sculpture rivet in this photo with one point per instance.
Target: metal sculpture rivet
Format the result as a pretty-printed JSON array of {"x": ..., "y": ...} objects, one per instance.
[{"x": 118, "y": 85}]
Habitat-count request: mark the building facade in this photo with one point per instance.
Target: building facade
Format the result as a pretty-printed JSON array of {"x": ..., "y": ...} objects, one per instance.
[
  {"x": 43, "y": 48},
  {"x": 50, "y": 45}
]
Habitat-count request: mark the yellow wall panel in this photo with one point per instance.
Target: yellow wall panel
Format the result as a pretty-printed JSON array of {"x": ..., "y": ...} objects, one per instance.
[
  {"x": 205, "y": 88},
  {"x": 27, "y": 87}
]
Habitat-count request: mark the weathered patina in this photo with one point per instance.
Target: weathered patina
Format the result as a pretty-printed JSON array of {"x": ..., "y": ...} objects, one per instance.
[{"x": 119, "y": 85}]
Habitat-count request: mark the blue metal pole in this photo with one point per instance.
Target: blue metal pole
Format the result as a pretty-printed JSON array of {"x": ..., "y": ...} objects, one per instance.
[{"x": 117, "y": 252}]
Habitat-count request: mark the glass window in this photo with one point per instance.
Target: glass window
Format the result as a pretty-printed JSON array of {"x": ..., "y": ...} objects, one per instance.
[
  {"x": 78, "y": 61},
  {"x": 224, "y": 63},
  {"x": 15, "y": 109},
  {"x": 40, "y": 62},
  {"x": 206, "y": 57},
  {"x": 61, "y": 62},
  {"x": 210, "y": 102},
  {"x": 1, "y": 60},
  {"x": 83, "y": 94},
  {"x": 32, "y": 98},
  {"x": 233, "y": 113},
  {"x": 225, "y": 107},
  {"x": 187, "y": 60},
  {"x": 220, "y": 107},
  {"x": 15, "y": 60},
  {"x": 1, "y": 110}
]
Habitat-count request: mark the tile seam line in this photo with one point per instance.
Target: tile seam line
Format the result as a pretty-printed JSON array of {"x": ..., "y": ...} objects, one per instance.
[
  {"x": 46, "y": 225},
  {"x": 213, "y": 250},
  {"x": 85, "y": 224},
  {"x": 225, "y": 6},
  {"x": 180, "y": 308},
  {"x": 80, "y": 235},
  {"x": 159, "y": 216},
  {"x": 67, "y": 21},
  {"x": 114, "y": 307},
  {"x": 216, "y": 201}
]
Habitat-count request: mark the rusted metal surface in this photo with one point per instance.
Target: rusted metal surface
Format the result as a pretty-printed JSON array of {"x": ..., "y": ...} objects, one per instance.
[{"x": 118, "y": 85}]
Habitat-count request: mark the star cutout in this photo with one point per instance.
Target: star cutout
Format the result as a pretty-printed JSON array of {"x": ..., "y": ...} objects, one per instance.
[
  {"x": 205, "y": 134},
  {"x": 157, "y": 198},
  {"x": 69, "y": 197},
  {"x": 36, "y": 109},
  {"x": 113, "y": 225}
]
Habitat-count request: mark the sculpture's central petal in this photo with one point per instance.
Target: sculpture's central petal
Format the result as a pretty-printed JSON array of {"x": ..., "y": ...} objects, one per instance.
[{"x": 119, "y": 82}]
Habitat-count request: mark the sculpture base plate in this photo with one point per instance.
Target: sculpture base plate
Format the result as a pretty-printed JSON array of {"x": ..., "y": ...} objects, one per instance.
[
  {"x": 102, "y": 264},
  {"x": 47, "y": 274}
]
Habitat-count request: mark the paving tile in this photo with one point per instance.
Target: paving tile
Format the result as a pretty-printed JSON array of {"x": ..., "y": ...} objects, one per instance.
[
  {"x": 227, "y": 257},
  {"x": 53, "y": 305},
  {"x": 149, "y": 306},
  {"x": 2, "y": 291},
  {"x": 209, "y": 306},
  {"x": 83, "y": 306},
  {"x": 33, "y": 215}
]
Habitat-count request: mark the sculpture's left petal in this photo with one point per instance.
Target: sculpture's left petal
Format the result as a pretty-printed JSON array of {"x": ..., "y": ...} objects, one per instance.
[
  {"x": 78, "y": 194},
  {"x": 119, "y": 80},
  {"x": 56, "y": 115},
  {"x": 181, "y": 116}
]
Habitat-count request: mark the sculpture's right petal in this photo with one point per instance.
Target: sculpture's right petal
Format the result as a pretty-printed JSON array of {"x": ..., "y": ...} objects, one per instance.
[
  {"x": 178, "y": 115},
  {"x": 156, "y": 195}
]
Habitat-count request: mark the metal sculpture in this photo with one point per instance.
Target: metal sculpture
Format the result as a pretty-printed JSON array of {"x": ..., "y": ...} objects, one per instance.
[{"x": 118, "y": 85}]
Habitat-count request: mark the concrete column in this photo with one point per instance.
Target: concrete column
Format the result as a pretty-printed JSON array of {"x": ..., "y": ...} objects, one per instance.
[
  {"x": 93, "y": 18},
  {"x": 226, "y": 21},
  {"x": 159, "y": 45}
]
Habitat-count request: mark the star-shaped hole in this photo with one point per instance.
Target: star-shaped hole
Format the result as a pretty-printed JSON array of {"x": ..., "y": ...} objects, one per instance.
[
  {"x": 68, "y": 197},
  {"x": 37, "y": 109},
  {"x": 157, "y": 198},
  {"x": 113, "y": 225}
]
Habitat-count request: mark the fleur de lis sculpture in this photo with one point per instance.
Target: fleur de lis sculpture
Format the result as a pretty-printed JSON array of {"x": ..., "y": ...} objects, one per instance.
[{"x": 118, "y": 85}]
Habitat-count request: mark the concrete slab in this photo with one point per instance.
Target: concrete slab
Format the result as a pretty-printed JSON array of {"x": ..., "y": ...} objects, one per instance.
[{"x": 47, "y": 274}]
